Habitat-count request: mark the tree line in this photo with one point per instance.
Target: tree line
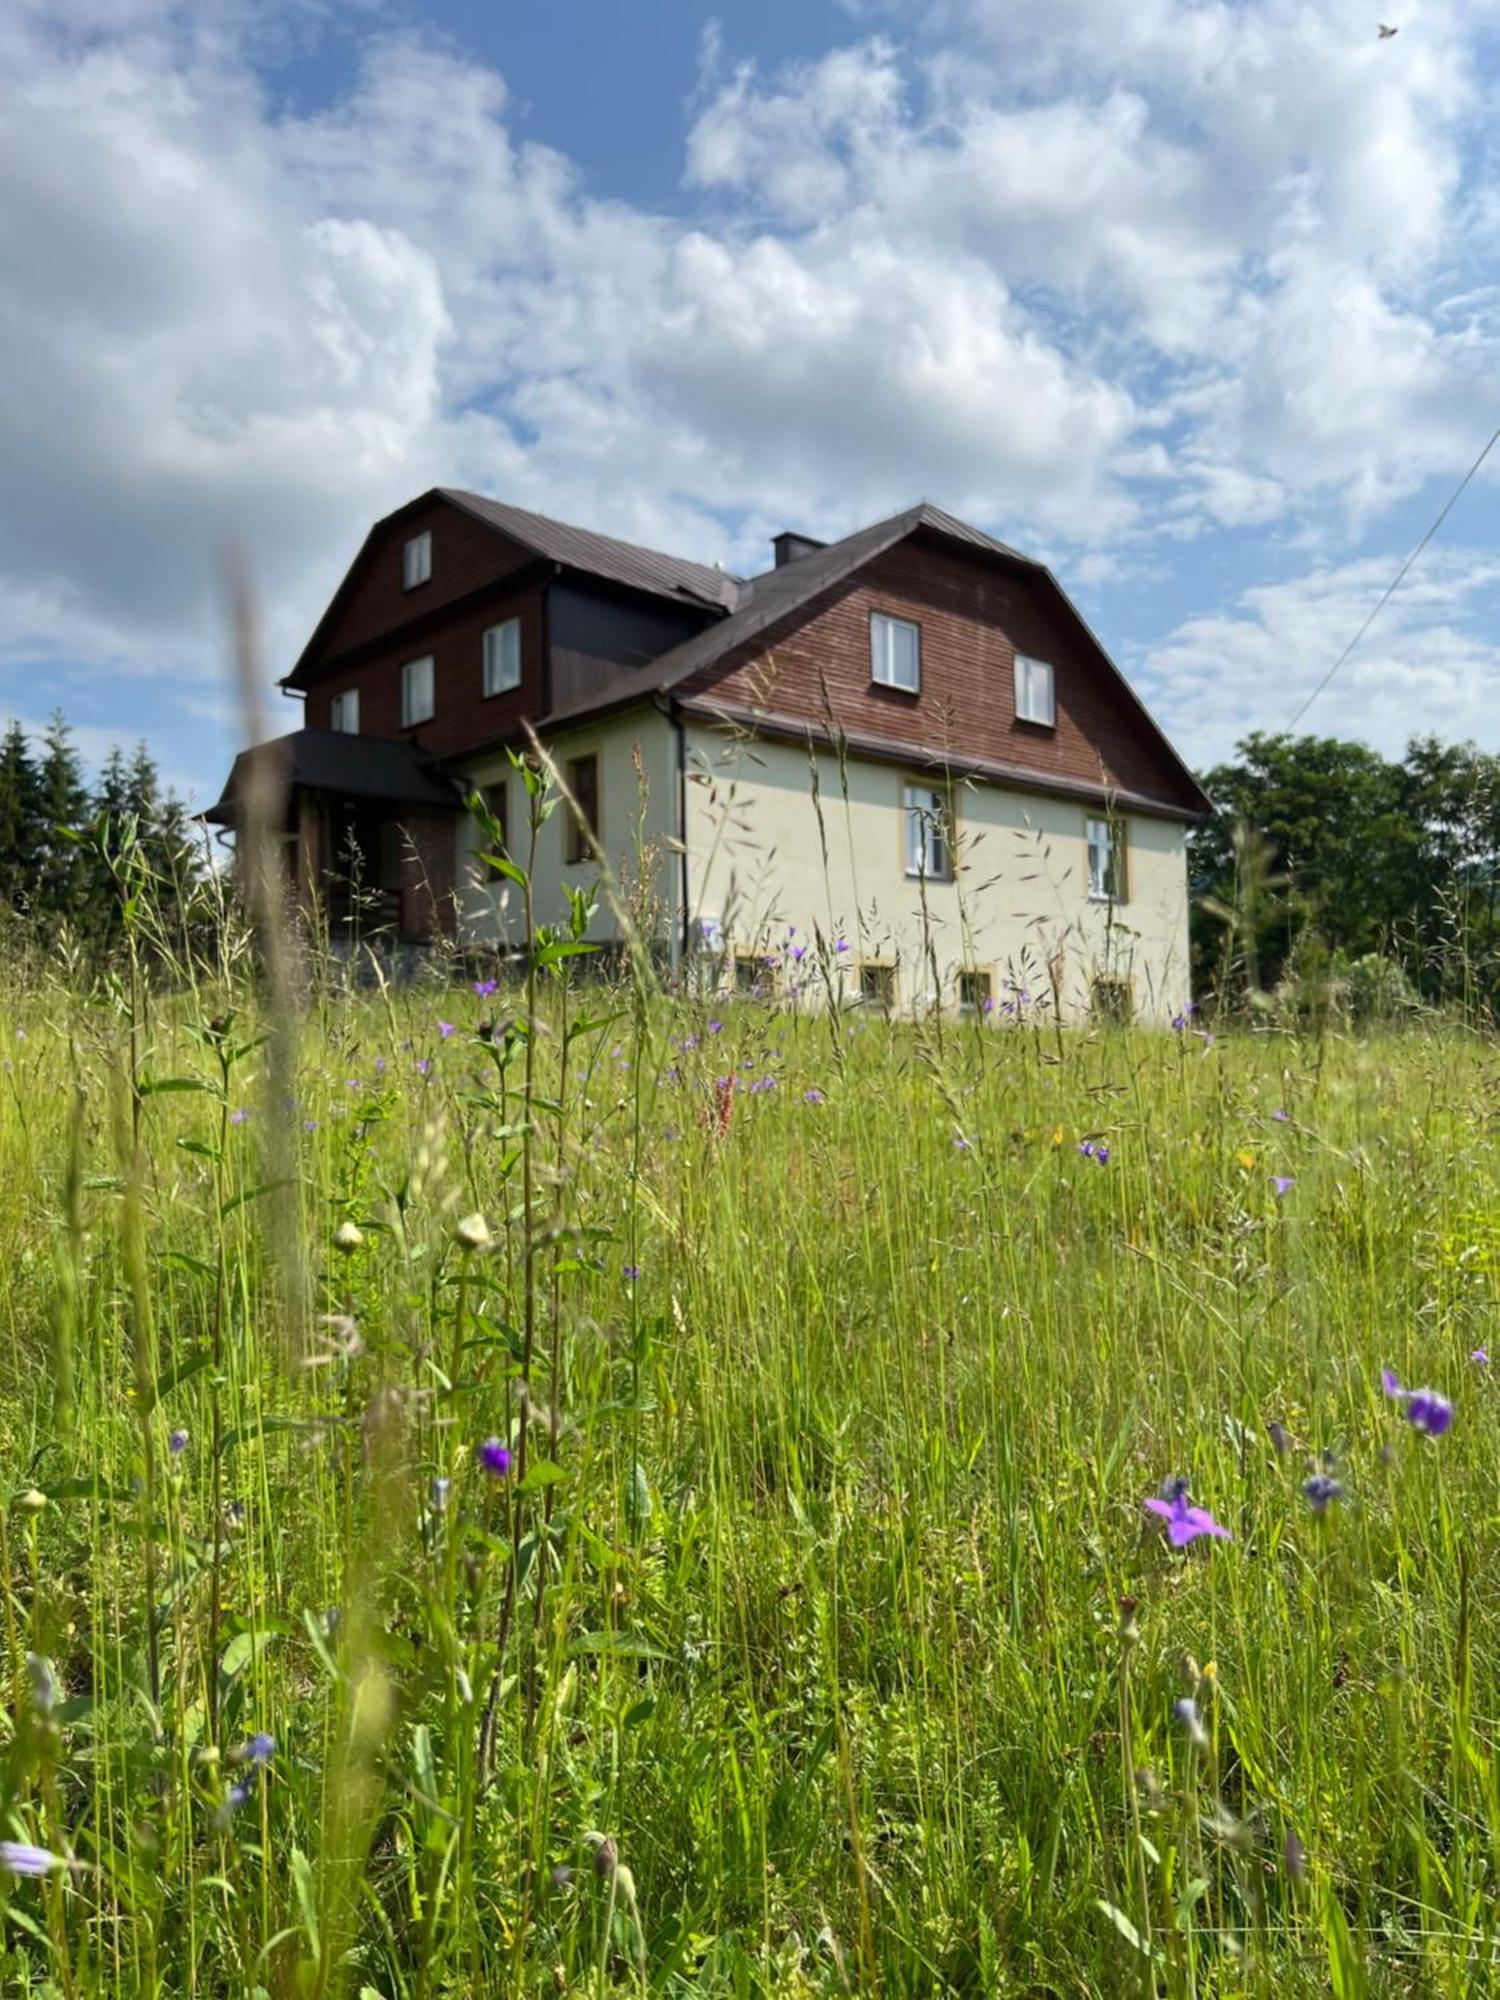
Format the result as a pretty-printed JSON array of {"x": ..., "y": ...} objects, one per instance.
[
  {"x": 1325, "y": 865},
  {"x": 61, "y": 835}
]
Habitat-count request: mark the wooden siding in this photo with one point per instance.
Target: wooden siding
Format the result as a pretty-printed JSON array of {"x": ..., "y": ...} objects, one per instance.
[
  {"x": 596, "y": 634},
  {"x": 462, "y": 713},
  {"x": 466, "y": 556},
  {"x": 974, "y": 619}
]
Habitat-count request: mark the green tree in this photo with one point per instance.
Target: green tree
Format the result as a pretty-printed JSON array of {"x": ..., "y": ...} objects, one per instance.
[
  {"x": 63, "y": 872},
  {"x": 20, "y": 819}
]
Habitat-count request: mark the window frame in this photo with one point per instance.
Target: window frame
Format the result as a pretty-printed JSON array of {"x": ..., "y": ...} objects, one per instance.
[
  {"x": 496, "y": 795},
  {"x": 577, "y": 848},
  {"x": 938, "y": 828},
  {"x": 1118, "y": 1012},
  {"x": 335, "y": 709},
  {"x": 892, "y": 619},
  {"x": 985, "y": 1003},
  {"x": 888, "y": 1001},
  {"x": 417, "y": 546},
  {"x": 1115, "y": 886},
  {"x": 490, "y": 632},
  {"x": 409, "y": 720},
  {"x": 1024, "y": 662}
]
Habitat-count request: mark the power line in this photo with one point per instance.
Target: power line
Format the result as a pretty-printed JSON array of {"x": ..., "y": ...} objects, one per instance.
[{"x": 1396, "y": 581}]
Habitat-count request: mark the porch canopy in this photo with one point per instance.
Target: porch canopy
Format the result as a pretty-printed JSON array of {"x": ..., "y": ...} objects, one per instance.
[
  {"x": 368, "y": 826},
  {"x": 379, "y": 770}
]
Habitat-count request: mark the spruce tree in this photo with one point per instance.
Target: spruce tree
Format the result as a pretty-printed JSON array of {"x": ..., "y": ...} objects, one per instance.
[
  {"x": 62, "y": 873},
  {"x": 20, "y": 819}
]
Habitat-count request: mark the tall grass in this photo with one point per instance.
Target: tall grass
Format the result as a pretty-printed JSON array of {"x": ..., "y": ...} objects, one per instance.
[{"x": 816, "y": 1639}]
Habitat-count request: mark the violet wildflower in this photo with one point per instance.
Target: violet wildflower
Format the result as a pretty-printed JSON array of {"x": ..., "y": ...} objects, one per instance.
[
  {"x": 1101, "y": 1155},
  {"x": 424, "y": 1066},
  {"x": 1481, "y": 1356},
  {"x": 762, "y": 1084},
  {"x": 1320, "y": 1491},
  {"x": 1283, "y": 1182},
  {"x": 495, "y": 1458},
  {"x": 19, "y": 1857},
  {"x": 309, "y": 1124},
  {"x": 380, "y": 1065},
  {"x": 238, "y": 1117},
  {"x": 715, "y": 1028},
  {"x": 485, "y": 987},
  {"x": 1429, "y": 1412},
  {"x": 177, "y": 1443},
  {"x": 1179, "y": 1023},
  {"x": 445, "y": 1029},
  {"x": 630, "y": 1272},
  {"x": 1086, "y": 1147},
  {"x": 1281, "y": 1117},
  {"x": 258, "y": 1750},
  {"x": 813, "y": 1096},
  {"x": 1185, "y": 1522},
  {"x": 1390, "y": 1381}
]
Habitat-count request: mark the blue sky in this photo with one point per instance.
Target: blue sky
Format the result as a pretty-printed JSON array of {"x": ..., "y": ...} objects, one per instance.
[{"x": 1199, "y": 301}]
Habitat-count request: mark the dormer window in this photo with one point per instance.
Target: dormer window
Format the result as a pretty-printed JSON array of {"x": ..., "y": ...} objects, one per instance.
[
  {"x": 1036, "y": 698},
  {"x": 416, "y": 561},
  {"x": 895, "y": 653}
]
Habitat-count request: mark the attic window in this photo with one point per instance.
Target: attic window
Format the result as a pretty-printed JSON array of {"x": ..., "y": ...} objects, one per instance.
[
  {"x": 895, "y": 652},
  {"x": 1036, "y": 700},
  {"x": 416, "y": 561}
]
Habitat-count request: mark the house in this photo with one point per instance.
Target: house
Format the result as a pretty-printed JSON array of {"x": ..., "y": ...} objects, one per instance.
[{"x": 899, "y": 763}]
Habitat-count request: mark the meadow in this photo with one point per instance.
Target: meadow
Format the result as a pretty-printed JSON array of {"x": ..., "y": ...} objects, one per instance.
[{"x": 547, "y": 1490}]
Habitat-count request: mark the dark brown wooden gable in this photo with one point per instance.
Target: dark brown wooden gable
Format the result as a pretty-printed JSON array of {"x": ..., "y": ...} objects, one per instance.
[
  {"x": 372, "y": 603},
  {"x": 975, "y": 616}
]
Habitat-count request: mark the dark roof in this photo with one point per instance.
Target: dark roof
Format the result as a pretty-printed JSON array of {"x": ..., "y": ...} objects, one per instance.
[
  {"x": 602, "y": 555},
  {"x": 355, "y": 767},
  {"x": 780, "y": 593}
]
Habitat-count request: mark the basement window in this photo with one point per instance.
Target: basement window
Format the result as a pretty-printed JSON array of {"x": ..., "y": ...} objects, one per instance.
[
  {"x": 976, "y": 991},
  {"x": 416, "y": 561},
  {"x": 877, "y": 984}
]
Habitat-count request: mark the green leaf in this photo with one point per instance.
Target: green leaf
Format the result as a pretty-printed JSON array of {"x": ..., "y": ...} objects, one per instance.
[
  {"x": 622, "y": 1645},
  {"x": 154, "y": 1086},
  {"x": 194, "y": 1264},
  {"x": 245, "y": 1648},
  {"x": 1124, "y": 1926},
  {"x": 307, "y": 1898},
  {"x": 252, "y": 1194},
  {"x": 182, "y": 1371},
  {"x": 503, "y": 865},
  {"x": 541, "y": 1472}
]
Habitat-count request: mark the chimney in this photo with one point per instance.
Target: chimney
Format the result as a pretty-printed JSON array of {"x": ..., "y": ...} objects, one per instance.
[{"x": 791, "y": 548}]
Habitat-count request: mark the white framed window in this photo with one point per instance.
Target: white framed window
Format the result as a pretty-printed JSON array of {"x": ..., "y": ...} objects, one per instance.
[
  {"x": 416, "y": 560},
  {"x": 416, "y": 692},
  {"x": 926, "y": 833},
  {"x": 1036, "y": 697},
  {"x": 343, "y": 712},
  {"x": 1106, "y": 845},
  {"x": 895, "y": 652},
  {"x": 502, "y": 657}
]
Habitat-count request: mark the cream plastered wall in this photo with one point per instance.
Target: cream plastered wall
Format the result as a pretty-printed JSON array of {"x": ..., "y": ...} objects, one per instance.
[
  {"x": 772, "y": 853},
  {"x": 638, "y": 817}
]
